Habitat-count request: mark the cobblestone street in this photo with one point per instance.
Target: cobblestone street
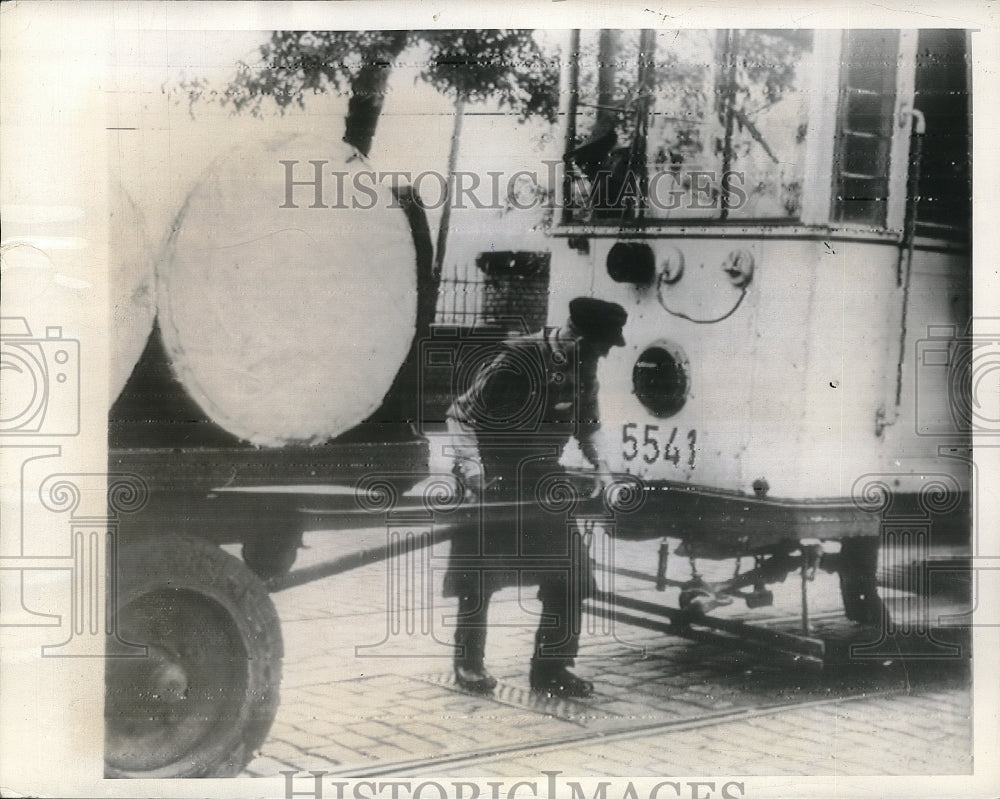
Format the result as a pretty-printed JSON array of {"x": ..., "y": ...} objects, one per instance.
[{"x": 368, "y": 688}]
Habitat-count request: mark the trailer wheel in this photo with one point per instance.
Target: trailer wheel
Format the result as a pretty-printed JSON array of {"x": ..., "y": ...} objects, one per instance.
[{"x": 202, "y": 699}]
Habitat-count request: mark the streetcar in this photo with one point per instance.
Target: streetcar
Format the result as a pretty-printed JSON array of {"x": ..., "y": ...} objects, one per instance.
[{"x": 785, "y": 216}]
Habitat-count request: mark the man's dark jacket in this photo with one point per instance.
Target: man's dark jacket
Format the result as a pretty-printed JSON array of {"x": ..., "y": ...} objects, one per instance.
[{"x": 524, "y": 404}]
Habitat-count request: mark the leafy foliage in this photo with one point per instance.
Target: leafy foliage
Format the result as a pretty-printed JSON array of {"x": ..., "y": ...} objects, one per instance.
[
  {"x": 768, "y": 59},
  {"x": 471, "y": 65},
  {"x": 687, "y": 79},
  {"x": 505, "y": 64},
  {"x": 672, "y": 104}
]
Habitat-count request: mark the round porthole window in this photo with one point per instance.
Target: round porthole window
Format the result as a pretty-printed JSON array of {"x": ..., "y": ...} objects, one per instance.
[{"x": 661, "y": 379}]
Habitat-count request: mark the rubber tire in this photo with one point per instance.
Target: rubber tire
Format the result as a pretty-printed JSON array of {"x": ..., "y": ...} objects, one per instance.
[{"x": 201, "y": 569}]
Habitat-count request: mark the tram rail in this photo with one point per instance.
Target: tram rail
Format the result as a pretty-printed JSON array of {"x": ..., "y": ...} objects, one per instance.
[{"x": 485, "y": 754}]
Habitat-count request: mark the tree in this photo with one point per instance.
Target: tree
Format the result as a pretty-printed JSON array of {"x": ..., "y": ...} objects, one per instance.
[{"x": 468, "y": 65}]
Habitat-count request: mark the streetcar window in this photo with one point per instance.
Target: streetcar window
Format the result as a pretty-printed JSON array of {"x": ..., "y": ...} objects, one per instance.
[
  {"x": 660, "y": 379},
  {"x": 941, "y": 93},
  {"x": 865, "y": 126},
  {"x": 690, "y": 124}
]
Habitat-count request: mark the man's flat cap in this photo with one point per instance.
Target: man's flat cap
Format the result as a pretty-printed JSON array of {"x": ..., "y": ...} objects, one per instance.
[{"x": 598, "y": 320}]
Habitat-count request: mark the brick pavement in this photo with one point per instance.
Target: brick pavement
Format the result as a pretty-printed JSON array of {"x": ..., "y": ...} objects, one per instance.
[
  {"x": 662, "y": 702},
  {"x": 842, "y": 738}
]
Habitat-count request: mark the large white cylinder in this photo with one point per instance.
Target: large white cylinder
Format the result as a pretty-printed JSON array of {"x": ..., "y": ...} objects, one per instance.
[{"x": 288, "y": 291}]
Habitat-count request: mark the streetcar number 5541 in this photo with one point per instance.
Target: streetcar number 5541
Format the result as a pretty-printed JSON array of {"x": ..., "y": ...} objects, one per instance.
[{"x": 652, "y": 446}]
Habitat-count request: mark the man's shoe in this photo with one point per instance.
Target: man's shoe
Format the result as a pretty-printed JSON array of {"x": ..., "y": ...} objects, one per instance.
[
  {"x": 560, "y": 682},
  {"x": 474, "y": 680}
]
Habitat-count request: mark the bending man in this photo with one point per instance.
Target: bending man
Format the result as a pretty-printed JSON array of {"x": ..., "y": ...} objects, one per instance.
[{"x": 507, "y": 431}]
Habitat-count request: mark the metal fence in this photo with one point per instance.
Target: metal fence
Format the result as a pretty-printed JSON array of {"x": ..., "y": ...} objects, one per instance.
[{"x": 507, "y": 289}]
